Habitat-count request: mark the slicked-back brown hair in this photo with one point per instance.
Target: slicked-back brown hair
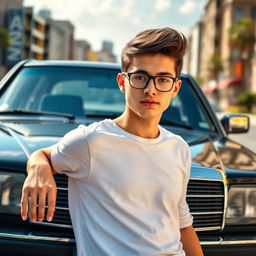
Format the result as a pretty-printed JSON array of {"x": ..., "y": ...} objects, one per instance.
[{"x": 166, "y": 41}]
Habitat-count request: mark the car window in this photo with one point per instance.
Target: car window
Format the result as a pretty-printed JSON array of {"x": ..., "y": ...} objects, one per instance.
[
  {"x": 97, "y": 88},
  {"x": 187, "y": 109},
  {"x": 85, "y": 91}
]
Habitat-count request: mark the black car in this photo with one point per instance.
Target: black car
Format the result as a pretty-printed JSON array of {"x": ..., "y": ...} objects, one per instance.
[{"x": 40, "y": 101}]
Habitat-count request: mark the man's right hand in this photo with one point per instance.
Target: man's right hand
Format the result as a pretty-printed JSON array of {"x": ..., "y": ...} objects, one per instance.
[{"x": 39, "y": 189}]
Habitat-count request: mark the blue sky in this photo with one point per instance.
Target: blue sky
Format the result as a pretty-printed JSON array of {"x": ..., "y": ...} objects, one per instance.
[{"x": 121, "y": 20}]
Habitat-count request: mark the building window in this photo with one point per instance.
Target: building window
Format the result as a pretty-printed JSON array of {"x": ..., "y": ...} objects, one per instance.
[
  {"x": 238, "y": 13},
  {"x": 253, "y": 12},
  {"x": 217, "y": 42},
  {"x": 218, "y": 22},
  {"x": 218, "y": 3}
]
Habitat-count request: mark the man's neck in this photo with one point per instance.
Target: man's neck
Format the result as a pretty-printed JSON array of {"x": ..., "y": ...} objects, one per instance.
[{"x": 138, "y": 126}]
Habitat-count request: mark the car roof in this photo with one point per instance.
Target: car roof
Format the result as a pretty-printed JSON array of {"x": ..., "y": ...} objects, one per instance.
[
  {"x": 69, "y": 63},
  {"x": 75, "y": 63}
]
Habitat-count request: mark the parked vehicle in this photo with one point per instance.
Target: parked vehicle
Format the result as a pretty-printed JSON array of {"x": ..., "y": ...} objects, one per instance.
[{"x": 40, "y": 101}]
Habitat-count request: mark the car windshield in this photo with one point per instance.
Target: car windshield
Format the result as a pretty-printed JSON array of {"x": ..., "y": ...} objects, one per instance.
[{"x": 88, "y": 92}]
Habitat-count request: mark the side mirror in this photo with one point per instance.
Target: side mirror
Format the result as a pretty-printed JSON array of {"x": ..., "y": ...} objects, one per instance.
[{"x": 236, "y": 123}]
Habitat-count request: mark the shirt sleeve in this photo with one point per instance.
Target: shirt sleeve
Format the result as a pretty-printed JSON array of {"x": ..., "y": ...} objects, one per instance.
[
  {"x": 185, "y": 218},
  {"x": 71, "y": 155}
]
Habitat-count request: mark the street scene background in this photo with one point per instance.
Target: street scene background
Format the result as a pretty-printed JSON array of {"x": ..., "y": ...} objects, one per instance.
[
  {"x": 247, "y": 139},
  {"x": 221, "y": 34}
]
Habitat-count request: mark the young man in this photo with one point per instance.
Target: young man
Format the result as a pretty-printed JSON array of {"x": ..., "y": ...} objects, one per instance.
[{"x": 127, "y": 177}]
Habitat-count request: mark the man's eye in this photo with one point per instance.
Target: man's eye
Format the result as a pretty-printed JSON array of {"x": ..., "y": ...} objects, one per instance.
[
  {"x": 164, "y": 80},
  {"x": 139, "y": 77}
]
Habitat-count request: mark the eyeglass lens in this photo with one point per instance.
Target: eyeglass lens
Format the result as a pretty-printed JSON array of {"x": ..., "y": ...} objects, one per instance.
[{"x": 162, "y": 83}]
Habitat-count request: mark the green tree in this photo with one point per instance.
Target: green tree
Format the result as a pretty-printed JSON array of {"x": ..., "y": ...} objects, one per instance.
[
  {"x": 242, "y": 36},
  {"x": 247, "y": 99},
  {"x": 4, "y": 38},
  {"x": 215, "y": 65},
  {"x": 199, "y": 79}
]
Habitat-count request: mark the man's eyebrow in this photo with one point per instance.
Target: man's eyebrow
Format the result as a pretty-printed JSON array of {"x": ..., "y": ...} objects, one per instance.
[
  {"x": 165, "y": 74},
  {"x": 160, "y": 73}
]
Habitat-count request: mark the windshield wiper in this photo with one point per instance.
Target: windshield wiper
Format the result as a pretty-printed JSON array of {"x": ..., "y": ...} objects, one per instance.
[
  {"x": 169, "y": 122},
  {"x": 30, "y": 112}
]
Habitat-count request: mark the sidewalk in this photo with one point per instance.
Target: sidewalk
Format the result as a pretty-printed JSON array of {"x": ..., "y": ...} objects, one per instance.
[{"x": 252, "y": 119}]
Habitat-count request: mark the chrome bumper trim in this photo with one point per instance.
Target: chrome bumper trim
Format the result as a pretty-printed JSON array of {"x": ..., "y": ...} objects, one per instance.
[
  {"x": 69, "y": 240},
  {"x": 222, "y": 242},
  {"x": 33, "y": 237},
  {"x": 208, "y": 228}
]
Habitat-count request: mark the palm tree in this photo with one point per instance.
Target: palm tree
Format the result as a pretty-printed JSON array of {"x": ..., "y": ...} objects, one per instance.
[
  {"x": 242, "y": 36},
  {"x": 215, "y": 65}
]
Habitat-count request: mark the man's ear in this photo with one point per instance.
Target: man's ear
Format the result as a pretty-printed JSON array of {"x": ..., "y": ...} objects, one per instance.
[
  {"x": 120, "y": 82},
  {"x": 176, "y": 87}
]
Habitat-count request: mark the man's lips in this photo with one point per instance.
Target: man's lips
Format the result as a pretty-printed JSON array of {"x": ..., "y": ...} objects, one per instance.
[{"x": 149, "y": 102}]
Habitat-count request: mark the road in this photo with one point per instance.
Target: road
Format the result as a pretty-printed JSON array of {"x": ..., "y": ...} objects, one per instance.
[{"x": 247, "y": 139}]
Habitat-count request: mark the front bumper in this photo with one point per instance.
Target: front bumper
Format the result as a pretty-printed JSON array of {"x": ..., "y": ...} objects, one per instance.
[
  {"x": 30, "y": 245},
  {"x": 245, "y": 245},
  {"x": 12, "y": 244}
]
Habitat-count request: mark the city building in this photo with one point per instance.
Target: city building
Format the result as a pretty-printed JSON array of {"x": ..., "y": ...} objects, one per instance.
[
  {"x": 254, "y": 70},
  {"x": 192, "y": 59},
  {"x": 225, "y": 75},
  {"x": 106, "y": 53},
  {"x": 26, "y": 32},
  {"x": 60, "y": 44},
  {"x": 35, "y": 35},
  {"x": 38, "y": 36},
  {"x": 81, "y": 50},
  {"x": 60, "y": 40},
  {"x": 5, "y": 11}
]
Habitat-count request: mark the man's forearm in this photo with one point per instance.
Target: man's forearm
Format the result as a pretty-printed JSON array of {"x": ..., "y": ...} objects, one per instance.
[
  {"x": 39, "y": 187},
  {"x": 40, "y": 158},
  {"x": 190, "y": 241}
]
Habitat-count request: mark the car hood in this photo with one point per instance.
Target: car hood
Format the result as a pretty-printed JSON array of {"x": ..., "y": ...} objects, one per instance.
[{"x": 19, "y": 140}]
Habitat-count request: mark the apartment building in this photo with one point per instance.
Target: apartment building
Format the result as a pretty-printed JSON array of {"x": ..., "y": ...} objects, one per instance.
[
  {"x": 192, "y": 58},
  {"x": 35, "y": 35},
  {"x": 82, "y": 48},
  {"x": 59, "y": 40},
  {"x": 106, "y": 52},
  {"x": 17, "y": 25},
  {"x": 225, "y": 85}
]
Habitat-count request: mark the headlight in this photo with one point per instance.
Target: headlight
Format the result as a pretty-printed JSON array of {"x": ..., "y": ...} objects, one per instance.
[
  {"x": 241, "y": 205},
  {"x": 10, "y": 192}
]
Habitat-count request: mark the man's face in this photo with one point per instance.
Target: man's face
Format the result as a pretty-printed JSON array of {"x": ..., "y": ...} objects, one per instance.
[{"x": 149, "y": 103}]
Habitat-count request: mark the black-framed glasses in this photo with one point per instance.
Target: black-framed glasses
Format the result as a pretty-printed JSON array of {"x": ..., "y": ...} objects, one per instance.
[{"x": 162, "y": 83}]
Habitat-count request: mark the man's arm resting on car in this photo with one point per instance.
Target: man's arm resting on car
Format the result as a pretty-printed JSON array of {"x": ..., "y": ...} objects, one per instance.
[
  {"x": 190, "y": 241},
  {"x": 39, "y": 187}
]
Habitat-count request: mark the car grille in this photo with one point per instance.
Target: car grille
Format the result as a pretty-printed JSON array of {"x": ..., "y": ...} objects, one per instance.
[
  {"x": 205, "y": 199},
  {"x": 206, "y": 202}
]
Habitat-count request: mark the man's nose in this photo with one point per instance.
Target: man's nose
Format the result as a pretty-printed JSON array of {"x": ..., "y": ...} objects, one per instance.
[{"x": 150, "y": 89}]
